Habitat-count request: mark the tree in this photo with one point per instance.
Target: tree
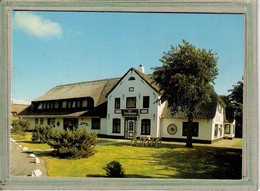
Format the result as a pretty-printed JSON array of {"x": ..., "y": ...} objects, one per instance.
[
  {"x": 185, "y": 80},
  {"x": 236, "y": 98}
]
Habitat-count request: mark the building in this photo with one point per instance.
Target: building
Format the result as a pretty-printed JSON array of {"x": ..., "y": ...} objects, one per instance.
[
  {"x": 123, "y": 108},
  {"x": 15, "y": 109}
]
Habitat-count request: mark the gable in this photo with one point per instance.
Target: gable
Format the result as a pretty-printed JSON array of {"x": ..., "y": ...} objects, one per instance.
[{"x": 135, "y": 76}]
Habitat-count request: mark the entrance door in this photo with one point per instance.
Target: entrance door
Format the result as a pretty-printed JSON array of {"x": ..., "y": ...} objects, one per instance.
[{"x": 130, "y": 128}]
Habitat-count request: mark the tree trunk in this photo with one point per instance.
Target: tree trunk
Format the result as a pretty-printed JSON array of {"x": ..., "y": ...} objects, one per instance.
[{"x": 189, "y": 133}]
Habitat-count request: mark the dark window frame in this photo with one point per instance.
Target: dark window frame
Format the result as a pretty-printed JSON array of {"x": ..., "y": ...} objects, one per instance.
[
  {"x": 117, "y": 103},
  {"x": 95, "y": 123},
  {"x": 146, "y": 127},
  {"x": 41, "y": 121},
  {"x": 116, "y": 128},
  {"x": 146, "y": 101},
  {"x": 227, "y": 126},
  {"x": 216, "y": 130},
  {"x": 195, "y": 132},
  {"x": 51, "y": 121},
  {"x": 127, "y": 102}
]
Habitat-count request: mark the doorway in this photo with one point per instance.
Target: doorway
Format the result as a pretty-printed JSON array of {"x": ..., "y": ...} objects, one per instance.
[{"x": 130, "y": 127}]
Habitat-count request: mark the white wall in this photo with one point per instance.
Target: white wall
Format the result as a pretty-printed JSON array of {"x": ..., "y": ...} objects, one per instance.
[
  {"x": 219, "y": 120},
  {"x": 141, "y": 88},
  {"x": 204, "y": 128}
]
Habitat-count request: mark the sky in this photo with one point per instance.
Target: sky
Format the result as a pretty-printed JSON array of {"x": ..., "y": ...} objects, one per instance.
[{"x": 53, "y": 48}]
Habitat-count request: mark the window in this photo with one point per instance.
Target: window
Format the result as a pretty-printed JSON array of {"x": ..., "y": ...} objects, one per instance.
[
  {"x": 146, "y": 101},
  {"x": 85, "y": 103},
  {"x": 69, "y": 104},
  {"x": 73, "y": 104},
  {"x": 51, "y": 121},
  {"x": 40, "y": 106},
  {"x": 146, "y": 127},
  {"x": 41, "y": 121},
  {"x": 227, "y": 129},
  {"x": 95, "y": 124},
  {"x": 131, "y": 102},
  {"x": 220, "y": 130},
  {"x": 131, "y": 78},
  {"x": 36, "y": 121},
  {"x": 117, "y": 103},
  {"x": 56, "y": 105},
  {"x": 70, "y": 123},
  {"x": 131, "y": 89},
  {"x": 195, "y": 129},
  {"x": 78, "y": 104},
  {"x": 64, "y": 104},
  {"x": 216, "y": 131},
  {"x": 116, "y": 125}
]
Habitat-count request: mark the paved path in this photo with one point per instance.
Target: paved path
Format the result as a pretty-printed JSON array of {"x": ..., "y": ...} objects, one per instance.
[{"x": 21, "y": 164}]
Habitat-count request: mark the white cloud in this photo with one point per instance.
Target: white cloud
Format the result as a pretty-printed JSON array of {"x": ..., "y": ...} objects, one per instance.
[
  {"x": 36, "y": 25},
  {"x": 20, "y": 101}
]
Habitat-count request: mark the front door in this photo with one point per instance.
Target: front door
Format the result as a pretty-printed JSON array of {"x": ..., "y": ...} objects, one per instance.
[{"x": 130, "y": 127}]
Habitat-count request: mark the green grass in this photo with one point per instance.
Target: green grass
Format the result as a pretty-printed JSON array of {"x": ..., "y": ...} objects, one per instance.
[
  {"x": 167, "y": 162},
  {"x": 27, "y": 142},
  {"x": 239, "y": 143}
]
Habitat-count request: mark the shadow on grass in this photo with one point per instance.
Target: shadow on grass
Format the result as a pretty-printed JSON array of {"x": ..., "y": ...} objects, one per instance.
[
  {"x": 126, "y": 176},
  {"x": 43, "y": 153},
  {"x": 202, "y": 163},
  {"x": 31, "y": 142}
]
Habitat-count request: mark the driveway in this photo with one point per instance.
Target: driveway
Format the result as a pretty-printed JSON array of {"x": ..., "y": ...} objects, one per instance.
[{"x": 21, "y": 164}]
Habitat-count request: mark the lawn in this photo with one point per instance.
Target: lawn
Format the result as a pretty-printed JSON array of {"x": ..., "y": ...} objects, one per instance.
[{"x": 169, "y": 161}]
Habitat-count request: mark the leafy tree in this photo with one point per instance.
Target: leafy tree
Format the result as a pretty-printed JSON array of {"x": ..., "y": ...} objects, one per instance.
[
  {"x": 185, "y": 80},
  {"x": 236, "y": 98}
]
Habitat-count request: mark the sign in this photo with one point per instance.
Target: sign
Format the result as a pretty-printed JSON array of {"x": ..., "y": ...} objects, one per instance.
[{"x": 129, "y": 112}]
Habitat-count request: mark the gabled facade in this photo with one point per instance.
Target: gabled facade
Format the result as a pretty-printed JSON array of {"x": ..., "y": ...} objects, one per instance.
[
  {"x": 132, "y": 107},
  {"x": 123, "y": 107}
]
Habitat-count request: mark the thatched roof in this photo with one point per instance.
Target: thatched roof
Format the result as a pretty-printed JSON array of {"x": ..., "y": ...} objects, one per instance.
[
  {"x": 94, "y": 89},
  {"x": 16, "y": 108},
  {"x": 206, "y": 111}
]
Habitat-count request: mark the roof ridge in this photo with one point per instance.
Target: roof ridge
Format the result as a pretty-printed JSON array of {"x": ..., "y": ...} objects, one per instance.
[{"x": 87, "y": 82}]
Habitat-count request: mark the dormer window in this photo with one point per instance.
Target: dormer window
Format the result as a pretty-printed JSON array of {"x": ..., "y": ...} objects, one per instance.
[
  {"x": 85, "y": 103},
  {"x": 40, "y": 106},
  {"x": 131, "y": 78}
]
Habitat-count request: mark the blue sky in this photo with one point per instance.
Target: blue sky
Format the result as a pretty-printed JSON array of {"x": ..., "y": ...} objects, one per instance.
[{"x": 54, "y": 48}]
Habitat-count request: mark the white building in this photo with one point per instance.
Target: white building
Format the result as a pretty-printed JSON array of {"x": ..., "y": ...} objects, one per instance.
[{"x": 123, "y": 108}]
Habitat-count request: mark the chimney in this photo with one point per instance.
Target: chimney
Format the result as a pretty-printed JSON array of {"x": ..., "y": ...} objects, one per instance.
[{"x": 141, "y": 68}]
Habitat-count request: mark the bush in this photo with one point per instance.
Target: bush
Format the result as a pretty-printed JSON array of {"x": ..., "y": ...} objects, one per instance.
[
  {"x": 114, "y": 169},
  {"x": 42, "y": 133},
  {"x": 76, "y": 143},
  {"x": 20, "y": 126}
]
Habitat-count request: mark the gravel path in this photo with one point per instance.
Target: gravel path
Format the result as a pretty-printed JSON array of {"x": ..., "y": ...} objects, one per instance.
[{"x": 21, "y": 164}]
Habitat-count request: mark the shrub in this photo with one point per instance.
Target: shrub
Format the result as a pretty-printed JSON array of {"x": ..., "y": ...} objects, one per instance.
[
  {"x": 76, "y": 143},
  {"x": 42, "y": 133},
  {"x": 20, "y": 126},
  {"x": 114, "y": 169}
]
